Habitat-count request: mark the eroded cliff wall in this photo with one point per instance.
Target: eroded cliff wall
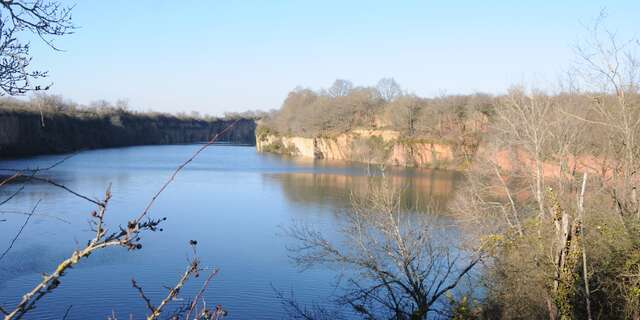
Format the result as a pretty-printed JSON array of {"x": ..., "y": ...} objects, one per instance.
[
  {"x": 369, "y": 146},
  {"x": 30, "y": 133}
]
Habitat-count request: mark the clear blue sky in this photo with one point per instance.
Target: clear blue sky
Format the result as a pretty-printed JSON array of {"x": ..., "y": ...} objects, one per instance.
[{"x": 217, "y": 56}]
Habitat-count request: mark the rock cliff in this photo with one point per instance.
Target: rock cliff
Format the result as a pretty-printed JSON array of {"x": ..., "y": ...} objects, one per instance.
[
  {"x": 29, "y": 133},
  {"x": 369, "y": 146}
]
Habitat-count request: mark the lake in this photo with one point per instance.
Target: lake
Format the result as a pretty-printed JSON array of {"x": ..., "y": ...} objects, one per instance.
[{"x": 232, "y": 200}]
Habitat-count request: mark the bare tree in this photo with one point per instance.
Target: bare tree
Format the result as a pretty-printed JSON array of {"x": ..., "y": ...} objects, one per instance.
[
  {"x": 523, "y": 125},
  {"x": 388, "y": 89},
  {"x": 611, "y": 69},
  {"x": 44, "y": 18},
  {"x": 404, "y": 112},
  {"x": 340, "y": 88},
  {"x": 402, "y": 264}
]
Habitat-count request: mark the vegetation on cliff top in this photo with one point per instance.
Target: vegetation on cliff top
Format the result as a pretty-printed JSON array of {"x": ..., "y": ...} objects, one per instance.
[
  {"x": 46, "y": 104},
  {"x": 343, "y": 107}
]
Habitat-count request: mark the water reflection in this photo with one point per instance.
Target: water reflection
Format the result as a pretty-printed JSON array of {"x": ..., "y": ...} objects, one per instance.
[
  {"x": 231, "y": 199},
  {"x": 423, "y": 190}
]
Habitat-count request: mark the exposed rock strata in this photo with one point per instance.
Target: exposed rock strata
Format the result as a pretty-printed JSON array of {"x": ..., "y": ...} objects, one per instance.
[{"x": 371, "y": 146}]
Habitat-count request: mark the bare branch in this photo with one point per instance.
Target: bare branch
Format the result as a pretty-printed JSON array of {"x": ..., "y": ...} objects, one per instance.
[
  {"x": 45, "y": 18},
  {"x": 180, "y": 167},
  {"x": 26, "y": 221}
]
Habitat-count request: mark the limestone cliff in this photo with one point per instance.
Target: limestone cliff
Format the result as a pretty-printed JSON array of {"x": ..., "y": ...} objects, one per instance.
[
  {"x": 369, "y": 146},
  {"x": 29, "y": 133}
]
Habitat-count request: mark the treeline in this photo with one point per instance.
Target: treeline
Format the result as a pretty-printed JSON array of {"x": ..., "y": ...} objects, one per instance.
[
  {"x": 455, "y": 119},
  {"x": 343, "y": 107},
  {"x": 51, "y": 124},
  {"x": 46, "y": 104}
]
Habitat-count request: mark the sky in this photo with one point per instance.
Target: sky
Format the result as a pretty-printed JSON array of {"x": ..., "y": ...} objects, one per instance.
[{"x": 228, "y": 56}]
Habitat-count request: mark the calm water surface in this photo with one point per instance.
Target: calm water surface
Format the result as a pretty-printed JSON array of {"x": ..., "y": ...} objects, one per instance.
[{"x": 231, "y": 199}]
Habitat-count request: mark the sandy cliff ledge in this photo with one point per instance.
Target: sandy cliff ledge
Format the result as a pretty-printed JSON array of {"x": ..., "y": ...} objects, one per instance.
[{"x": 372, "y": 146}]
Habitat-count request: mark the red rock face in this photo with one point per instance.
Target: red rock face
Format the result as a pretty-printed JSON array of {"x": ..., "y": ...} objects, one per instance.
[
  {"x": 421, "y": 154},
  {"x": 510, "y": 159}
]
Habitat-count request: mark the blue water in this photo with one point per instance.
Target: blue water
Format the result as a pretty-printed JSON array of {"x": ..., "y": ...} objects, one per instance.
[{"x": 232, "y": 200}]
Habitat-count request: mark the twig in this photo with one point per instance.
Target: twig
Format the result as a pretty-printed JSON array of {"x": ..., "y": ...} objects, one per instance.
[
  {"x": 193, "y": 269},
  {"x": 12, "y": 196},
  {"x": 180, "y": 167},
  {"x": 213, "y": 273},
  {"x": 143, "y": 296},
  {"x": 39, "y": 215},
  {"x": 66, "y": 313},
  {"x": 125, "y": 237},
  {"x": 32, "y": 176},
  {"x": 26, "y": 221},
  {"x": 65, "y": 188},
  {"x": 8, "y": 179},
  {"x": 55, "y": 164}
]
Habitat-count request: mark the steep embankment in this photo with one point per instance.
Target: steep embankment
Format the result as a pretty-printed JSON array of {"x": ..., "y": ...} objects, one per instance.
[
  {"x": 29, "y": 133},
  {"x": 369, "y": 146}
]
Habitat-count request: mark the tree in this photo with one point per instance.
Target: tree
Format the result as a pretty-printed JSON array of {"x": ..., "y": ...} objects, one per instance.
[
  {"x": 371, "y": 150},
  {"x": 340, "y": 88},
  {"x": 388, "y": 89},
  {"x": 523, "y": 122},
  {"x": 568, "y": 247},
  {"x": 404, "y": 113},
  {"x": 611, "y": 69},
  {"x": 46, "y": 19},
  {"x": 403, "y": 265}
]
